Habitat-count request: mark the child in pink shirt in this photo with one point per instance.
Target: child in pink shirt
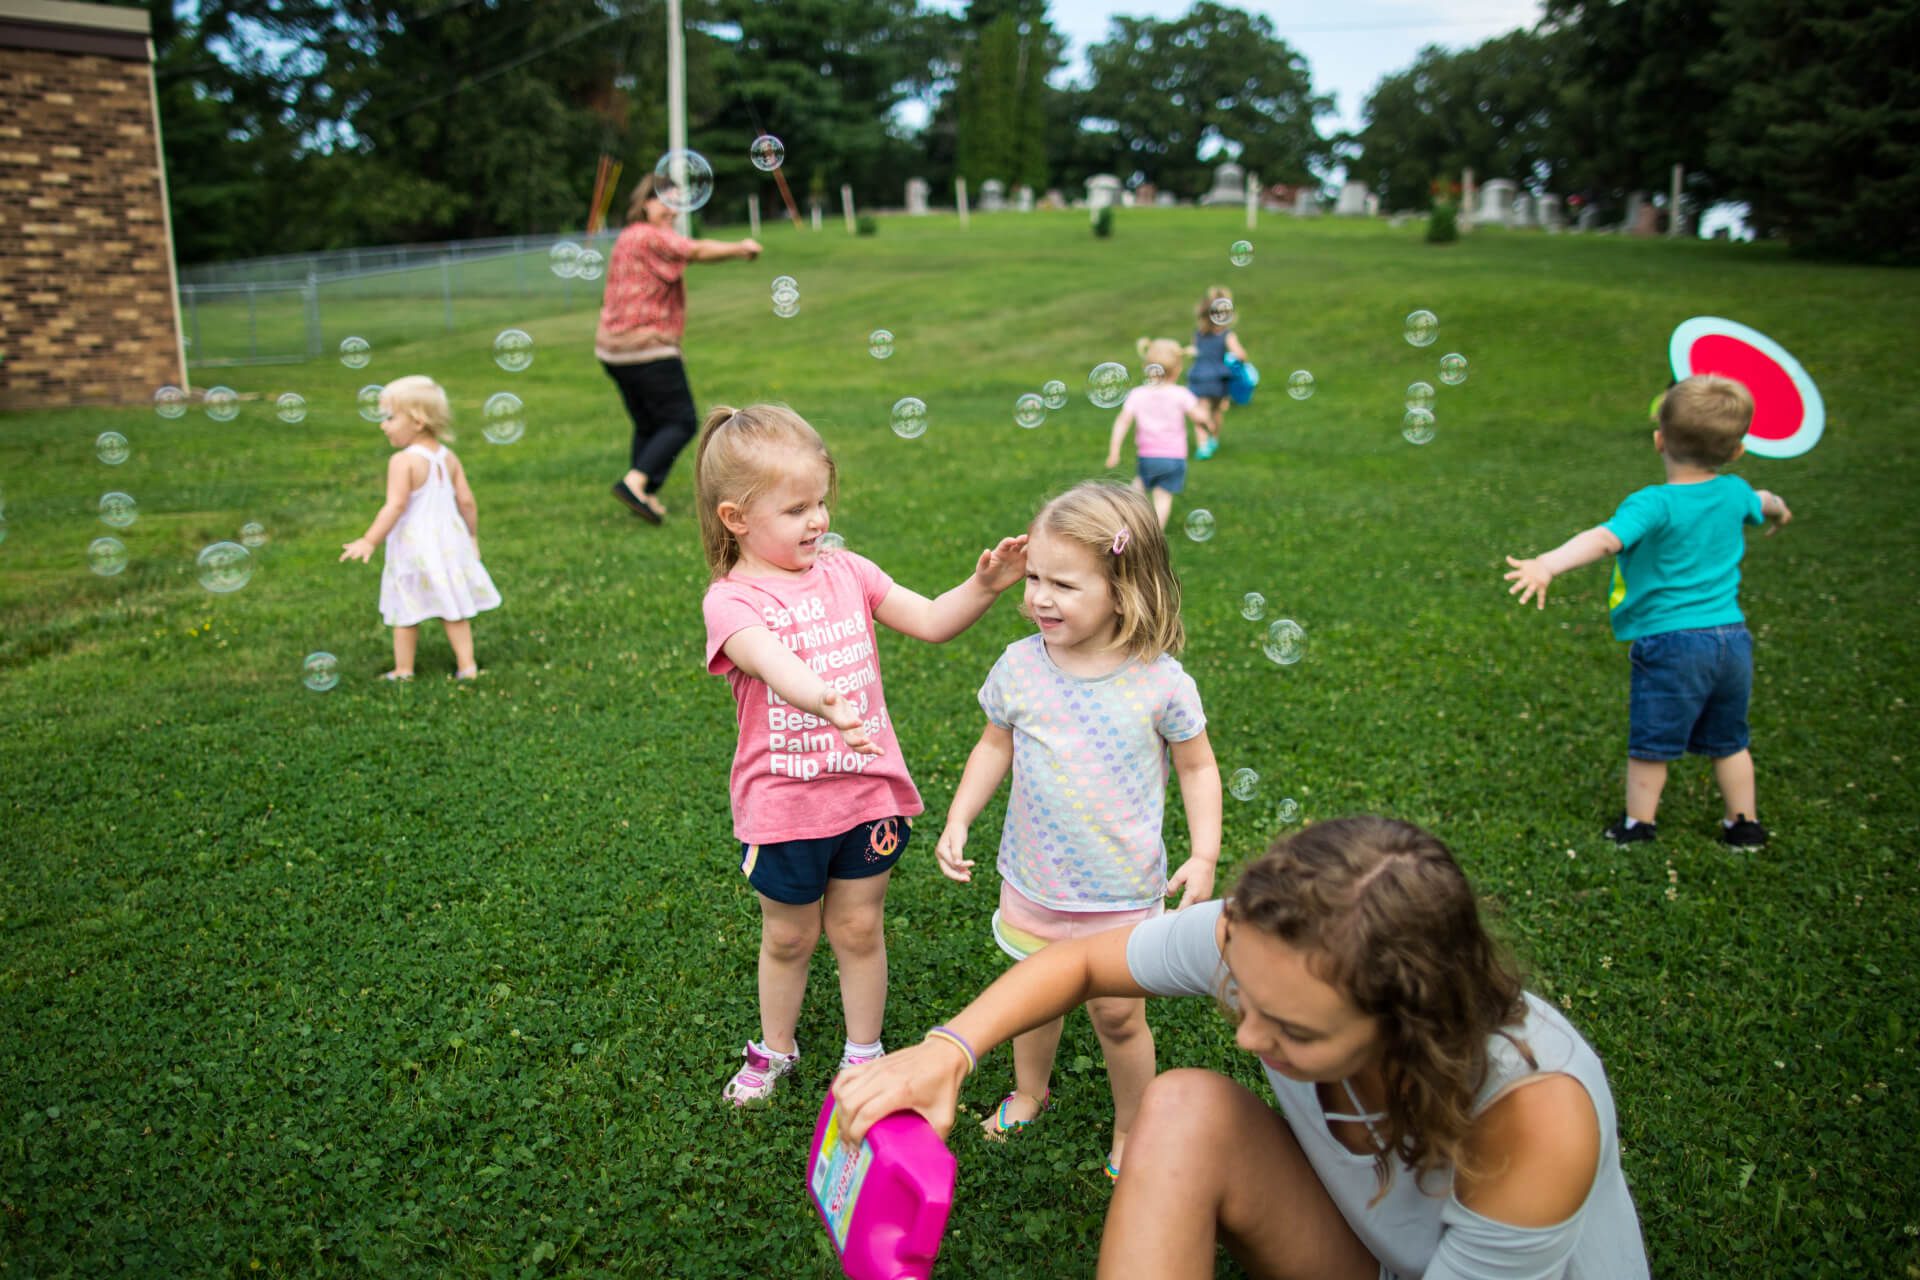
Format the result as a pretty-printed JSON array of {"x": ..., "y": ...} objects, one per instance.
[
  {"x": 822, "y": 803},
  {"x": 1158, "y": 413}
]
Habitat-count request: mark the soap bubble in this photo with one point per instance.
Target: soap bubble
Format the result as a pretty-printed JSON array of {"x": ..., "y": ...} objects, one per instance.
[
  {"x": 782, "y": 284},
  {"x": 355, "y": 353},
  {"x": 106, "y": 556},
  {"x": 320, "y": 672},
  {"x": 1288, "y": 812},
  {"x": 222, "y": 404},
  {"x": 224, "y": 567},
  {"x": 1300, "y": 384},
  {"x": 1200, "y": 524},
  {"x": 1422, "y": 328},
  {"x": 170, "y": 403},
  {"x": 767, "y": 152},
  {"x": 1420, "y": 395},
  {"x": 291, "y": 407},
  {"x": 369, "y": 401},
  {"x": 513, "y": 350},
  {"x": 1417, "y": 426},
  {"x": 1154, "y": 373},
  {"x": 1286, "y": 642},
  {"x": 880, "y": 344},
  {"x": 1029, "y": 411},
  {"x": 1244, "y": 785},
  {"x": 690, "y": 188},
  {"x": 1241, "y": 254},
  {"x": 111, "y": 448},
  {"x": 1253, "y": 606},
  {"x": 786, "y": 308},
  {"x": 118, "y": 510},
  {"x": 505, "y": 418},
  {"x": 830, "y": 541},
  {"x": 564, "y": 259},
  {"x": 253, "y": 535},
  {"x": 1107, "y": 384},
  {"x": 589, "y": 265},
  {"x": 1054, "y": 394},
  {"x": 1453, "y": 369},
  {"x": 786, "y": 295},
  {"x": 909, "y": 418},
  {"x": 1221, "y": 311}
]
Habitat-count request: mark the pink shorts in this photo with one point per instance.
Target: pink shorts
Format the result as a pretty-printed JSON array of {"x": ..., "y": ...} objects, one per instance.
[{"x": 1022, "y": 926}]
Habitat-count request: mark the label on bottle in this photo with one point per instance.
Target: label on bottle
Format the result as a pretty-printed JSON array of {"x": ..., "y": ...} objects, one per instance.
[{"x": 837, "y": 1177}]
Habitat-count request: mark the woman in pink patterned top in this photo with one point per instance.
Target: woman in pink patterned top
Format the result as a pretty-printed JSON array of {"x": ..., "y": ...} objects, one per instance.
[{"x": 642, "y": 319}]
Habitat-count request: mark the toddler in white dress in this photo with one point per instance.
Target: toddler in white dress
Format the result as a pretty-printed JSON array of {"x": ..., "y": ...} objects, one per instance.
[{"x": 432, "y": 530}]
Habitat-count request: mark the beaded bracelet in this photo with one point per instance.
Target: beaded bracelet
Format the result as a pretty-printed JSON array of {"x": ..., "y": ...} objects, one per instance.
[{"x": 954, "y": 1038}]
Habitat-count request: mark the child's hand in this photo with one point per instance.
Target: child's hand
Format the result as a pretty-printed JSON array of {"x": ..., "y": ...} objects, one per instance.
[
  {"x": 1529, "y": 579},
  {"x": 1196, "y": 877},
  {"x": 845, "y": 717},
  {"x": 1774, "y": 508},
  {"x": 1113, "y": 460},
  {"x": 359, "y": 549},
  {"x": 953, "y": 842},
  {"x": 1002, "y": 566}
]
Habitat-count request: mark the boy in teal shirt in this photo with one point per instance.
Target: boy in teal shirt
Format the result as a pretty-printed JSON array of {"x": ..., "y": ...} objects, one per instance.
[{"x": 1676, "y": 597}]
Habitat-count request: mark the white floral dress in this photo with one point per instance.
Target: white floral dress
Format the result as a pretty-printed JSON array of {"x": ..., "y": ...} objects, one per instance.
[{"x": 432, "y": 569}]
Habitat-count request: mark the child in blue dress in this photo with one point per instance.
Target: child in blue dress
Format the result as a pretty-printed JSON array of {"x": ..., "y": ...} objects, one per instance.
[{"x": 1213, "y": 342}]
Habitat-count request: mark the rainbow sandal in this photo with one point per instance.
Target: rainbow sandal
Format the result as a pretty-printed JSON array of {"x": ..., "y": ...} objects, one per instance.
[{"x": 998, "y": 1126}]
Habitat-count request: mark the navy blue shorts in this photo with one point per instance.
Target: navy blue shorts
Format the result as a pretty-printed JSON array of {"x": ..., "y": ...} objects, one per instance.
[
  {"x": 1689, "y": 693},
  {"x": 1209, "y": 386},
  {"x": 796, "y": 871},
  {"x": 1164, "y": 473}
]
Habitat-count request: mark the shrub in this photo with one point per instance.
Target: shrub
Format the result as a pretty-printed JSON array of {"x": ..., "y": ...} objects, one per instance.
[
  {"x": 1103, "y": 222},
  {"x": 867, "y": 225},
  {"x": 1443, "y": 225}
]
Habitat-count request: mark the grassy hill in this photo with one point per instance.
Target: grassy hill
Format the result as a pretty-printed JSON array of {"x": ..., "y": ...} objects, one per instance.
[{"x": 432, "y": 979}]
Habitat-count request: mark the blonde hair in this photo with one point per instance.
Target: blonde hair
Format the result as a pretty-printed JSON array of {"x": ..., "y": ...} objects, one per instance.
[
  {"x": 1703, "y": 420},
  {"x": 424, "y": 400},
  {"x": 1102, "y": 516},
  {"x": 736, "y": 460},
  {"x": 643, "y": 191},
  {"x": 1387, "y": 918},
  {"x": 1165, "y": 352},
  {"x": 1203, "y": 314}
]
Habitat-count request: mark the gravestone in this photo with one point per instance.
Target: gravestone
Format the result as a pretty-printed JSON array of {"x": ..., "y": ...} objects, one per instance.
[
  {"x": 1023, "y": 198},
  {"x": 917, "y": 196},
  {"x": 1549, "y": 213},
  {"x": 1164, "y": 200},
  {"x": 1589, "y": 219},
  {"x": 1373, "y": 205},
  {"x": 1103, "y": 189},
  {"x": 1353, "y": 200},
  {"x": 993, "y": 196},
  {"x": 1306, "y": 203},
  {"x": 1496, "y": 198},
  {"x": 1054, "y": 199},
  {"x": 1521, "y": 212},
  {"x": 1229, "y": 185}
]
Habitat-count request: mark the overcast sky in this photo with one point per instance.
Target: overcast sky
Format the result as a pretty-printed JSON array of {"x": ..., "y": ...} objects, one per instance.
[{"x": 1349, "y": 47}]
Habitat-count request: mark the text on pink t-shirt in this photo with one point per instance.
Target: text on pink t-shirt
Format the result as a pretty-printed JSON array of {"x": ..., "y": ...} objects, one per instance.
[
  {"x": 1160, "y": 419},
  {"x": 793, "y": 776}
]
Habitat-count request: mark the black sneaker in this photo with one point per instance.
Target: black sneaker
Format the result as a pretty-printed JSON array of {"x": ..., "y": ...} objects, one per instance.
[
  {"x": 1745, "y": 833},
  {"x": 1621, "y": 833}
]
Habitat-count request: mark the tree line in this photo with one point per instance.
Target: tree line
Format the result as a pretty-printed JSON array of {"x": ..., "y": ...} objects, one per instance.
[{"x": 303, "y": 124}]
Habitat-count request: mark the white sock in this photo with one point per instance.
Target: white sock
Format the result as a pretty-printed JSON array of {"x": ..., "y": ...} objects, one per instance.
[
  {"x": 863, "y": 1050},
  {"x": 1632, "y": 822},
  {"x": 775, "y": 1053}
]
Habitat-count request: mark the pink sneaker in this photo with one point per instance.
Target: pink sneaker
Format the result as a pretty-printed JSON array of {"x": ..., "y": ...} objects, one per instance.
[
  {"x": 753, "y": 1083},
  {"x": 851, "y": 1059}
]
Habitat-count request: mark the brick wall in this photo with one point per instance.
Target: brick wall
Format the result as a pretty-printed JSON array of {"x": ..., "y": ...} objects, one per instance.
[{"x": 86, "y": 288}]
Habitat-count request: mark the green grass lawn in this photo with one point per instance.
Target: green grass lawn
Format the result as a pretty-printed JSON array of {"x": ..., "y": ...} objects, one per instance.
[{"x": 430, "y": 979}]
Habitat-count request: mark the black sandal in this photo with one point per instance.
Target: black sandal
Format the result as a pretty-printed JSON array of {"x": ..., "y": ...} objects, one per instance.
[{"x": 636, "y": 505}]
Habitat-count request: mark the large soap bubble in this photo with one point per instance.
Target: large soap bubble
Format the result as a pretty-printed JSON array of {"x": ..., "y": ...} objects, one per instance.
[{"x": 683, "y": 180}]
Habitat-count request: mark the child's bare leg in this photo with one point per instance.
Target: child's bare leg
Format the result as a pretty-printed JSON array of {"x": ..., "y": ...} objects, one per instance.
[
  {"x": 1646, "y": 779},
  {"x": 1219, "y": 414},
  {"x": 1032, "y": 1070},
  {"x": 406, "y": 641},
  {"x": 854, "y": 921},
  {"x": 1734, "y": 773},
  {"x": 1127, "y": 1041},
  {"x": 460, "y": 636},
  {"x": 788, "y": 935},
  {"x": 1162, "y": 505}
]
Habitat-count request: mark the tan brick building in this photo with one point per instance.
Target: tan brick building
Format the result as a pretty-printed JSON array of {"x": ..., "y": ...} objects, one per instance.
[{"x": 87, "y": 287}]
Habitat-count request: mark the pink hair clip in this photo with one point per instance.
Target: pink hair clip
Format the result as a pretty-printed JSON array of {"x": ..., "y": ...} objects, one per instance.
[{"x": 1121, "y": 539}]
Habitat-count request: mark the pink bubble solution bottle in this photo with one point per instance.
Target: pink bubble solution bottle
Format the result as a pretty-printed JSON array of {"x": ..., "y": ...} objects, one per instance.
[{"x": 884, "y": 1202}]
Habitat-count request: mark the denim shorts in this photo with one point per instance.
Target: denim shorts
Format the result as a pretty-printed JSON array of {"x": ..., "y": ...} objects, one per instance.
[
  {"x": 796, "y": 871},
  {"x": 1689, "y": 693},
  {"x": 1164, "y": 473}
]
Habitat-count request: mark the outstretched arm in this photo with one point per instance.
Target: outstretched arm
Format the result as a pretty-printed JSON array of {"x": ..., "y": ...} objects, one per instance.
[
  {"x": 721, "y": 250},
  {"x": 988, "y": 763},
  {"x": 1046, "y": 985},
  {"x": 938, "y": 621},
  {"x": 1774, "y": 508},
  {"x": 399, "y": 491},
  {"x": 759, "y": 653},
  {"x": 1530, "y": 577},
  {"x": 1199, "y": 777}
]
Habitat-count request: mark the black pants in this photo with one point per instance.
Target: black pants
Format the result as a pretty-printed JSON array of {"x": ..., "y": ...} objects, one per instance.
[{"x": 661, "y": 406}]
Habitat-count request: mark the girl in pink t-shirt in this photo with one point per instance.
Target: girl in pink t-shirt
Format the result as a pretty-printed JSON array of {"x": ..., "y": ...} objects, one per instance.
[
  {"x": 1158, "y": 413},
  {"x": 822, "y": 804}
]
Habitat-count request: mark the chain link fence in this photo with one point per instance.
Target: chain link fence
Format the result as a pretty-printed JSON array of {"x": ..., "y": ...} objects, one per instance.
[{"x": 296, "y": 307}]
